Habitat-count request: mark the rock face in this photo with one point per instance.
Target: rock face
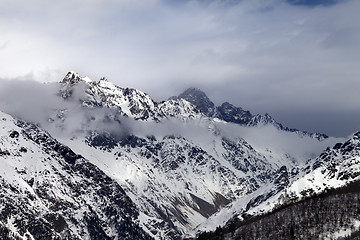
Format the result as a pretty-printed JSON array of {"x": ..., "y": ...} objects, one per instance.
[
  {"x": 200, "y": 100},
  {"x": 122, "y": 166},
  {"x": 230, "y": 113}
]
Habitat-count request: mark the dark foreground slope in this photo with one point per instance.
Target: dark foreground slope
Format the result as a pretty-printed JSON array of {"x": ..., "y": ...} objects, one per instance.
[{"x": 331, "y": 215}]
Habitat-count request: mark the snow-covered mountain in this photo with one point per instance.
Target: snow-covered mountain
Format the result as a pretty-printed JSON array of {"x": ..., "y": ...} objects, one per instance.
[
  {"x": 336, "y": 170},
  {"x": 49, "y": 192},
  {"x": 179, "y": 162}
]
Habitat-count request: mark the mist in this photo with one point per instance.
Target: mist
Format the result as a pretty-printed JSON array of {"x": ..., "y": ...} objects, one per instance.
[{"x": 42, "y": 104}]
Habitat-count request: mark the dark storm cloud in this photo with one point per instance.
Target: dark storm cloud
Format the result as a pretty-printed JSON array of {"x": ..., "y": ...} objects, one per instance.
[{"x": 271, "y": 56}]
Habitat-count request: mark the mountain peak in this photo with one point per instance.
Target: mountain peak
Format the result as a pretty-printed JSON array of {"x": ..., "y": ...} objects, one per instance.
[
  {"x": 73, "y": 78},
  {"x": 230, "y": 113},
  {"x": 199, "y": 99},
  {"x": 70, "y": 80}
]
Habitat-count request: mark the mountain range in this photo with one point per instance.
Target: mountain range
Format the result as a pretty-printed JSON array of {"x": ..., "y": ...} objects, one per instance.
[{"x": 98, "y": 161}]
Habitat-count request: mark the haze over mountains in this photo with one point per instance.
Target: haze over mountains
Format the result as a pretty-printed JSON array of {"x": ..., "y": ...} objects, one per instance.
[{"x": 129, "y": 167}]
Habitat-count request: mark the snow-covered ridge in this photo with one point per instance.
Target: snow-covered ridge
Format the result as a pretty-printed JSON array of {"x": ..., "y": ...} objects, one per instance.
[
  {"x": 140, "y": 106},
  {"x": 336, "y": 167},
  {"x": 130, "y": 102}
]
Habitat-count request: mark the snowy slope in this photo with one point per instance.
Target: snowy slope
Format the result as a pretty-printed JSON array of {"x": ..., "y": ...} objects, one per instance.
[
  {"x": 162, "y": 171},
  {"x": 49, "y": 192},
  {"x": 336, "y": 167}
]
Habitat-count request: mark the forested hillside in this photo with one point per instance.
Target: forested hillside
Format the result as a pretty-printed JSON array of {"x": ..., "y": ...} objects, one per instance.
[{"x": 331, "y": 215}]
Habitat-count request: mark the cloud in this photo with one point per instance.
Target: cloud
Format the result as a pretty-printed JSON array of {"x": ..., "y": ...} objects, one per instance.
[
  {"x": 267, "y": 56},
  {"x": 312, "y": 3},
  {"x": 41, "y": 104}
]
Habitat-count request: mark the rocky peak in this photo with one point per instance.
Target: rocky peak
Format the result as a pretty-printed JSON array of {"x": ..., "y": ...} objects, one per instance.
[
  {"x": 200, "y": 100},
  {"x": 230, "y": 113},
  {"x": 357, "y": 135},
  {"x": 233, "y": 114},
  {"x": 350, "y": 146},
  {"x": 103, "y": 93},
  {"x": 72, "y": 78}
]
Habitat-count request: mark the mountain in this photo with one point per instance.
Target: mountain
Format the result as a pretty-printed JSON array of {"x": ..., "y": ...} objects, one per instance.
[
  {"x": 199, "y": 99},
  {"x": 321, "y": 204},
  {"x": 230, "y": 113},
  {"x": 49, "y": 192},
  {"x": 183, "y": 165}
]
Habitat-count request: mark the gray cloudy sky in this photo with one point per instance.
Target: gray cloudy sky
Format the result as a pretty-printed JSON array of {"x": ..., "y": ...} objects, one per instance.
[{"x": 298, "y": 60}]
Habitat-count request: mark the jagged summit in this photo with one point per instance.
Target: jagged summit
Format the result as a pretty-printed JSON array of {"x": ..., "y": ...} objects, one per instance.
[
  {"x": 230, "y": 113},
  {"x": 73, "y": 77},
  {"x": 70, "y": 80},
  {"x": 103, "y": 93},
  {"x": 226, "y": 111},
  {"x": 200, "y": 100}
]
